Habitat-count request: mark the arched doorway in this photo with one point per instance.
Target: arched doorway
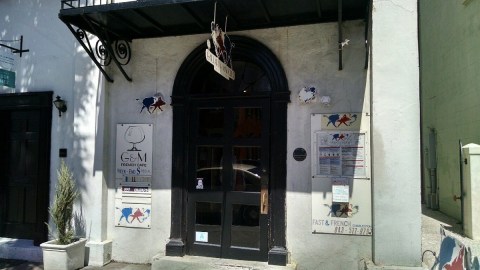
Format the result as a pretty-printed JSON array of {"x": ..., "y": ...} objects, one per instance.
[{"x": 229, "y": 157}]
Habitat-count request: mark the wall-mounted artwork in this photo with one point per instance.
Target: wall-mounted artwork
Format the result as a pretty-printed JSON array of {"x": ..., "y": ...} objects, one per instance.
[
  {"x": 150, "y": 104},
  {"x": 341, "y": 121},
  {"x": 133, "y": 204},
  {"x": 133, "y": 215},
  {"x": 307, "y": 94}
]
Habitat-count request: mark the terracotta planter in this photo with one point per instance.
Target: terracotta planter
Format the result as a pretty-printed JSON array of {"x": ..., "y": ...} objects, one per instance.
[{"x": 56, "y": 257}]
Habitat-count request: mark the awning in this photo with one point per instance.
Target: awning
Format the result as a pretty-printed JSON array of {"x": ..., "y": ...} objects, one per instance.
[{"x": 114, "y": 22}]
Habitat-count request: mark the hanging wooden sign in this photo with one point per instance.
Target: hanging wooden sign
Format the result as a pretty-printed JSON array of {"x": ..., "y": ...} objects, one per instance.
[{"x": 222, "y": 59}]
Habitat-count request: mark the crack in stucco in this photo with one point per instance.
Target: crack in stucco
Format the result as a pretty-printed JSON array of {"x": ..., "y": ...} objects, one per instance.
[{"x": 395, "y": 3}]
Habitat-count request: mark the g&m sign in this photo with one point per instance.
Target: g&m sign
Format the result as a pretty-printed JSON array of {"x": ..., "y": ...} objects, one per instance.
[{"x": 134, "y": 150}]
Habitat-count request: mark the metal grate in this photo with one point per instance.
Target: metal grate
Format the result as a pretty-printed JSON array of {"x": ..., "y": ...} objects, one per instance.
[{"x": 68, "y": 4}]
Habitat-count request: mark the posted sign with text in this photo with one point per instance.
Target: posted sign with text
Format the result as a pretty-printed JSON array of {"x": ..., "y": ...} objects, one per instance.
[
  {"x": 341, "y": 187},
  {"x": 134, "y": 150}
]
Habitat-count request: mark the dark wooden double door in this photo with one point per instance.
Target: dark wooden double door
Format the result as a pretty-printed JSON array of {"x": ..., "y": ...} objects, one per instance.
[
  {"x": 25, "y": 121},
  {"x": 228, "y": 177}
]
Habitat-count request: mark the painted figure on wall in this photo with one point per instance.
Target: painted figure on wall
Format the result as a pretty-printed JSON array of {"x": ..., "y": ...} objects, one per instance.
[
  {"x": 307, "y": 94},
  {"x": 454, "y": 255},
  {"x": 140, "y": 214},
  {"x": 345, "y": 119},
  {"x": 342, "y": 209},
  {"x": 152, "y": 103}
]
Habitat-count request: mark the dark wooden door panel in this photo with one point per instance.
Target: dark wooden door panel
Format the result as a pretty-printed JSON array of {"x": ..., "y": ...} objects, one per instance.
[{"x": 24, "y": 179}]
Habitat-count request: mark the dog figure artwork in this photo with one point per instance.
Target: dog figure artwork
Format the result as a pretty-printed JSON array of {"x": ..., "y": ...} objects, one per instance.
[
  {"x": 342, "y": 209},
  {"x": 133, "y": 216},
  {"x": 154, "y": 102},
  {"x": 126, "y": 212},
  {"x": 336, "y": 120},
  {"x": 137, "y": 215}
]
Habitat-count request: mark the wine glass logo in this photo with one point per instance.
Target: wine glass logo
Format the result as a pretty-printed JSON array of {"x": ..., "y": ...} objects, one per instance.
[{"x": 134, "y": 135}]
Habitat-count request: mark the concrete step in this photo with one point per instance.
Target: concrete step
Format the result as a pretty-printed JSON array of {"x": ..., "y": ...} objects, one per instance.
[
  {"x": 20, "y": 249},
  {"x": 205, "y": 263}
]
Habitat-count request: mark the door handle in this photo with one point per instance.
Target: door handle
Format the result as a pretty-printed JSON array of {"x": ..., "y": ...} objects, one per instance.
[{"x": 264, "y": 200}]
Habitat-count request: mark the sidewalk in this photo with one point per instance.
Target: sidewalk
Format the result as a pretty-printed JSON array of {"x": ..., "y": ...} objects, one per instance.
[
  {"x": 432, "y": 221},
  {"x": 19, "y": 265},
  {"x": 162, "y": 263}
]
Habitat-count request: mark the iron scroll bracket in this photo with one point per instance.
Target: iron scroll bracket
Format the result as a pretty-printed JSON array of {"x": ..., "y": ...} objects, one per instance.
[{"x": 105, "y": 51}]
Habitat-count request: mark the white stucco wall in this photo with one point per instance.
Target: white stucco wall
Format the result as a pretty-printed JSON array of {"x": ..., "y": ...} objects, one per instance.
[
  {"x": 449, "y": 60},
  {"x": 56, "y": 62},
  {"x": 395, "y": 133},
  {"x": 309, "y": 55},
  {"x": 153, "y": 68},
  {"x": 312, "y": 58},
  {"x": 50, "y": 63}
]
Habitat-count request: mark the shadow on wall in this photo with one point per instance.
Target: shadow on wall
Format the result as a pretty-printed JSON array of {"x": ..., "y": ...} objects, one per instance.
[
  {"x": 87, "y": 131},
  {"x": 79, "y": 223},
  {"x": 57, "y": 62}
]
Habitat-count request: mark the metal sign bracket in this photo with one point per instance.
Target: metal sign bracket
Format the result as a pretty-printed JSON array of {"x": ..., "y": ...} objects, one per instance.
[{"x": 14, "y": 50}]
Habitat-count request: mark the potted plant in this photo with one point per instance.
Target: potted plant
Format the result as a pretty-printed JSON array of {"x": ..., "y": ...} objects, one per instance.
[{"x": 66, "y": 251}]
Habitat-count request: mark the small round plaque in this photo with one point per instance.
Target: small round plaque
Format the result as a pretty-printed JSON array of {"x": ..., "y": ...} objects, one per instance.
[{"x": 299, "y": 154}]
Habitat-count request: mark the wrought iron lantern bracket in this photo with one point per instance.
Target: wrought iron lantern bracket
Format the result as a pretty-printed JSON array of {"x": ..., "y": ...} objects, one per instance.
[{"x": 106, "y": 49}]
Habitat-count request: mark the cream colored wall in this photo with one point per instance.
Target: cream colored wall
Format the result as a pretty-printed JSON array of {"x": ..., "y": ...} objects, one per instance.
[
  {"x": 395, "y": 133},
  {"x": 56, "y": 62},
  {"x": 153, "y": 69},
  {"x": 309, "y": 55},
  {"x": 450, "y": 89}
]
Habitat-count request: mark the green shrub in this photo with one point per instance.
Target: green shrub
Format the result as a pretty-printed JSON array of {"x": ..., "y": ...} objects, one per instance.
[{"x": 61, "y": 210}]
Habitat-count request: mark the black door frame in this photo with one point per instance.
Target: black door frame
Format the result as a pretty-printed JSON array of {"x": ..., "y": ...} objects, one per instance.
[
  {"x": 227, "y": 196},
  {"x": 42, "y": 102},
  {"x": 246, "y": 49}
]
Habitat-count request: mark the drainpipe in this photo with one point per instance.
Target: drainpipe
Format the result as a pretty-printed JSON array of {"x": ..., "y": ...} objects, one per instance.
[
  {"x": 455, "y": 197},
  {"x": 432, "y": 170},
  {"x": 340, "y": 35}
]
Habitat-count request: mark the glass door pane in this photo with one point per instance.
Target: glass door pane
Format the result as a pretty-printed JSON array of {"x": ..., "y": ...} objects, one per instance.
[
  {"x": 246, "y": 168},
  {"x": 208, "y": 222},
  {"x": 209, "y": 168},
  {"x": 211, "y": 122},
  {"x": 245, "y": 226},
  {"x": 247, "y": 123}
]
